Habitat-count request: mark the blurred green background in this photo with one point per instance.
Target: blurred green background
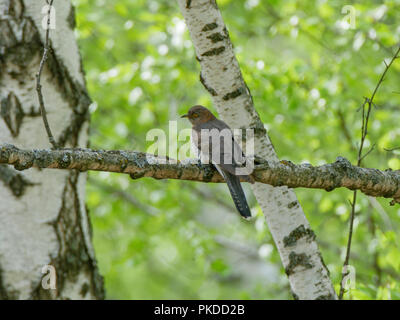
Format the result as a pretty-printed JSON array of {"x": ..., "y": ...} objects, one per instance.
[{"x": 308, "y": 72}]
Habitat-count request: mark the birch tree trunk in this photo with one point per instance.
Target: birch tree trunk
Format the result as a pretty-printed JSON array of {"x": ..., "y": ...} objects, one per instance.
[
  {"x": 44, "y": 225},
  {"x": 222, "y": 78}
]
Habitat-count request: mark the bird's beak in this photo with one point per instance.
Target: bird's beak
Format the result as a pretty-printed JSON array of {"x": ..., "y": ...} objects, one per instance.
[{"x": 185, "y": 116}]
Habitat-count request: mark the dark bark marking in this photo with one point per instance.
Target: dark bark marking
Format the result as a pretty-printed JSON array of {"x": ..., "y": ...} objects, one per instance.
[
  {"x": 209, "y": 27},
  {"x": 323, "y": 264},
  {"x": 259, "y": 130},
  {"x": 71, "y": 18},
  {"x": 16, "y": 8},
  {"x": 76, "y": 95},
  {"x": 248, "y": 92},
  {"x": 234, "y": 94},
  {"x": 214, "y": 52},
  {"x": 73, "y": 257},
  {"x": 297, "y": 234},
  {"x": 71, "y": 90},
  {"x": 216, "y": 37},
  {"x": 188, "y": 3},
  {"x": 208, "y": 88},
  {"x": 71, "y": 132},
  {"x": 84, "y": 289},
  {"x": 3, "y": 291},
  {"x": 6, "y": 293},
  {"x": 33, "y": 112},
  {"x": 15, "y": 181},
  {"x": 293, "y": 204},
  {"x": 214, "y": 4},
  {"x": 296, "y": 260},
  {"x": 12, "y": 113},
  {"x": 295, "y": 296},
  {"x": 96, "y": 284},
  {"x": 326, "y": 297},
  {"x": 28, "y": 31},
  {"x": 7, "y": 36}
]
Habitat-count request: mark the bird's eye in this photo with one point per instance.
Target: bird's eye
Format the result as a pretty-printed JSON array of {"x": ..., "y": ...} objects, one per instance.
[{"x": 195, "y": 115}]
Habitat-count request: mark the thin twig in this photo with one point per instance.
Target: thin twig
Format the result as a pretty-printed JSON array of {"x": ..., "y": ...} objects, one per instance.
[
  {"x": 150, "y": 210},
  {"x": 211, "y": 196},
  {"x": 364, "y": 131},
  {"x": 382, "y": 213},
  {"x": 392, "y": 149},
  {"x": 368, "y": 152},
  {"x": 39, "y": 86},
  {"x": 345, "y": 129}
]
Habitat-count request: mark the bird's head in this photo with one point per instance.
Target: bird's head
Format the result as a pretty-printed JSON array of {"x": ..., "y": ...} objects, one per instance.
[{"x": 198, "y": 115}]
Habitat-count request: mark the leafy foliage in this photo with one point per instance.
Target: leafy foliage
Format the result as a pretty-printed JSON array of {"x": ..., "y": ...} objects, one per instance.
[{"x": 308, "y": 73}]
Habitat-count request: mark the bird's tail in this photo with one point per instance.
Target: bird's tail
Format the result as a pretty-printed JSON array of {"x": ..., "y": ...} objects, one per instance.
[{"x": 237, "y": 194}]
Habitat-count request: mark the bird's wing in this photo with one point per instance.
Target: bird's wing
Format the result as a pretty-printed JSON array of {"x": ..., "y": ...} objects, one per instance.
[{"x": 221, "y": 146}]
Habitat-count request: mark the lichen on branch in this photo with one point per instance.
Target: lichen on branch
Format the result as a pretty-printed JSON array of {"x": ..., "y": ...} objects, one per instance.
[{"x": 341, "y": 173}]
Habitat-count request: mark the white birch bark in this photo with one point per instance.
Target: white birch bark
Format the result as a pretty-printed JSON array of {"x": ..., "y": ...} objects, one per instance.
[
  {"x": 43, "y": 219},
  {"x": 221, "y": 76}
]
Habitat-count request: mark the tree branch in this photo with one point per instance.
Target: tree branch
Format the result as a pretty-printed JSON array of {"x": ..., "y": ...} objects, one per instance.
[{"x": 339, "y": 174}]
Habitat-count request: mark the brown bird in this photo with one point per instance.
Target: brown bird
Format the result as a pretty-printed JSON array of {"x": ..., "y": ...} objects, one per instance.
[{"x": 215, "y": 142}]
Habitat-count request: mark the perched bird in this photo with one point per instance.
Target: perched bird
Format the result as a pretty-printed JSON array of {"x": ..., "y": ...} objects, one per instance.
[{"x": 215, "y": 142}]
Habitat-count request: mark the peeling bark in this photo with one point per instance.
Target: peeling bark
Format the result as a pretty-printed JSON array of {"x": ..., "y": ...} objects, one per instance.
[
  {"x": 220, "y": 71},
  {"x": 35, "y": 233}
]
